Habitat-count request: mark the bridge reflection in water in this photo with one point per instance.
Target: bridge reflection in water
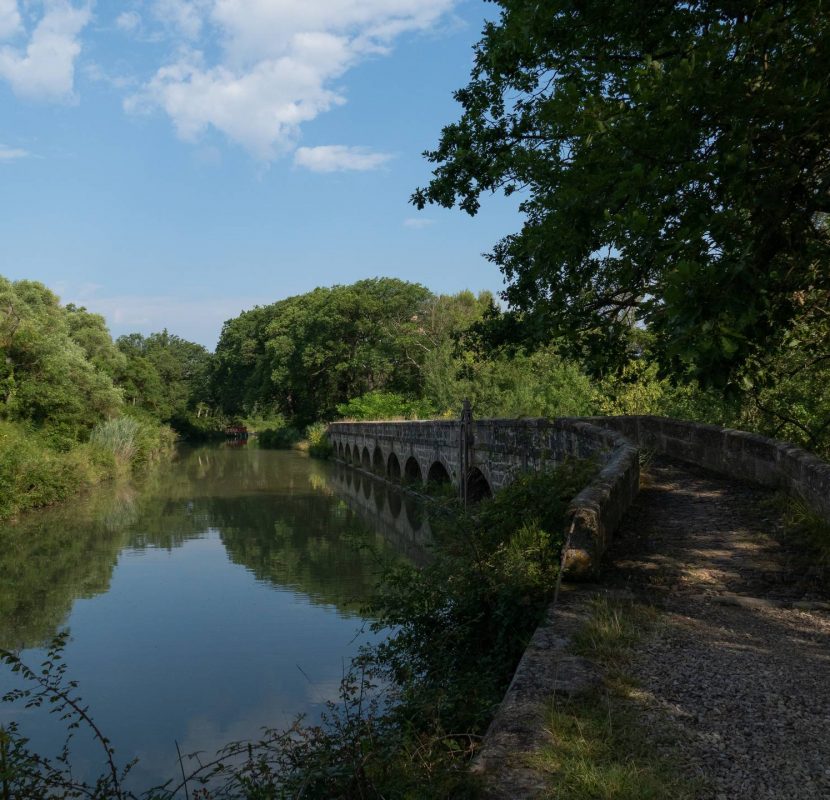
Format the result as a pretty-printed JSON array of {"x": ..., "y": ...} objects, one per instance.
[{"x": 396, "y": 515}]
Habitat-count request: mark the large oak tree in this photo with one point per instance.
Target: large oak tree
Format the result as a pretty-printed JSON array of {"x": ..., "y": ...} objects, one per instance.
[{"x": 673, "y": 160}]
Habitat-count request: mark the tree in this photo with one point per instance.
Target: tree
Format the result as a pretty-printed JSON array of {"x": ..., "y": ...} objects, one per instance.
[
  {"x": 46, "y": 378},
  {"x": 674, "y": 165},
  {"x": 165, "y": 374},
  {"x": 332, "y": 344}
]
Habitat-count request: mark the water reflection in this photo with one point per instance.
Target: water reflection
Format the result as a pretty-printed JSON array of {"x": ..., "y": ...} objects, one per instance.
[
  {"x": 275, "y": 514},
  {"x": 379, "y": 505},
  {"x": 215, "y": 595}
]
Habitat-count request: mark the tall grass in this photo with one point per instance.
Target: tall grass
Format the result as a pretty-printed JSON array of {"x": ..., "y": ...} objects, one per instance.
[{"x": 118, "y": 436}]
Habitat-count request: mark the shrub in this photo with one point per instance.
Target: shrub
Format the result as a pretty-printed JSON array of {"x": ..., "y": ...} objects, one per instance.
[
  {"x": 318, "y": 440},
  {"x": 279, "y": 438},
  {"x": 385, "y": 405}
]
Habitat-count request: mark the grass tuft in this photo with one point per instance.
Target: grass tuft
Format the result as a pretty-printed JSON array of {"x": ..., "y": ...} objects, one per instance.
[{"x": 599, "y": 748}]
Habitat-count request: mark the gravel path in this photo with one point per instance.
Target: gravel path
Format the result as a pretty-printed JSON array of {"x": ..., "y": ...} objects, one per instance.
[{"x": 735, "y": 682}]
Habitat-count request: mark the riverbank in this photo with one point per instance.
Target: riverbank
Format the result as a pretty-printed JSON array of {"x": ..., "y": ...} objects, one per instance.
[{"x": 34, "y": 473}]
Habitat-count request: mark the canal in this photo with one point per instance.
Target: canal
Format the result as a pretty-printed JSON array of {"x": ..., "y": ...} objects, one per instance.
[{"x": 216, "y": 595}]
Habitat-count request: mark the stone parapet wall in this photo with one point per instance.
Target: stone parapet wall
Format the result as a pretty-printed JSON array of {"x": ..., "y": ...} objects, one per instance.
[
  {"x": 502, "y": 448},
  {"x": 742, "y": 455}
]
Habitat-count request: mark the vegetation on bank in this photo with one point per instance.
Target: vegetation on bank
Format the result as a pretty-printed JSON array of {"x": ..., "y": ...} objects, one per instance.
[{"x": 413, "y": 708}]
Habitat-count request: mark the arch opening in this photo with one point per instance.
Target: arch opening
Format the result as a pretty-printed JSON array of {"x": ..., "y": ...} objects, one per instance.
[
  {"x": 393, "y": 468},
  {"x": 438, "y": 473},
  {"x": 348, "y": 454},
  {"x": 412, "y": 471},
  {"x": 366, "y": 460},
  {"x": 478, "y": 488},
  {"x": 378, "y": 467}
]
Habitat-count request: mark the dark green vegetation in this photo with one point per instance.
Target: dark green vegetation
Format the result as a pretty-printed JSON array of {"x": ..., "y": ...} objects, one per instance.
[
  {"x": 63, "y": 421},
  {"x": 598, "y": 748},
  {"x": 412, "y": 708},
  {"x": 673, "y": 161}
]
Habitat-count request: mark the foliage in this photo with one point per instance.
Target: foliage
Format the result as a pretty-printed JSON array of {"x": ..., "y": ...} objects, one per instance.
[
  {"x": 787, "y": 388},
  {"x": 279, "y": 438},
  {"x": 672, "y": 160},
  {"x": 304, "y": 356},
  {"x": 639, "y": 389},
  {"x": 384, "y": 405},
  {"x": 132, "y": 440},
  {"x": 316, "y": 436},
  {"x": 165, "y": 375},
  {"x": 46, "y": 379},
  {"x": 504, "y": 384}
]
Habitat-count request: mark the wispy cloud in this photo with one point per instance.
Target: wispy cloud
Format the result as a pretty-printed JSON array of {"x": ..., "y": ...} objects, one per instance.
[
  {"x": 128, "y": 21},
  {"x": 277, "y": 65},
  {"x": 196, "y": 318},
  {"x": 339, "y": 158},
  {"x": 417, "y": 223},
  {"x": 12, "y": 153}
]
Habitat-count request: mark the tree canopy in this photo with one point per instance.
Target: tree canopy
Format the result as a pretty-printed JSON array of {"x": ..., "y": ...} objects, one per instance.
[{"x": 673, "y": 161}]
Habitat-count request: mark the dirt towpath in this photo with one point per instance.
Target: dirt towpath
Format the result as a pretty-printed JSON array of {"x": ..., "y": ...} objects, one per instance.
[{"x": 737, "y": 677}]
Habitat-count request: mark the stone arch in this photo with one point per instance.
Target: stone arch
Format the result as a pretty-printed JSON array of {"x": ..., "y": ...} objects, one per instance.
[
  {"x": 438, "y": 473},
  {"x": 478, "y": 487},
  {"x": 393, "y": 468},
  {"x": 412, "y": 471},
  {"x": 366, "y": 460},
  {"x": 378, "y": 467},
  {"x": 348, "y": 454},
  {"x": 340, "y": 450}
]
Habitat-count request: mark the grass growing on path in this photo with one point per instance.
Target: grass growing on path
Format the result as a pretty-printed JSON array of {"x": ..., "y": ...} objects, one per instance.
[{"x": 598, "y": 746}]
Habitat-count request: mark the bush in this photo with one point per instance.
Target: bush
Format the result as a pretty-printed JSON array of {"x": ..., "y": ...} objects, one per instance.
[
  {"x": 279, "y": 438},
  {"x": 385, "y": 405},
  {"x": 317, "y": 437},
  {"x": 33, "y": 475}
]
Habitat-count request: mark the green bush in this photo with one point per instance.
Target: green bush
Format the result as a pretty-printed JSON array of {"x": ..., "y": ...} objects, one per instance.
[
  {"x": 279, "y": 438},
  {"x": 385, "y": 405},
  {"x": 34, "y": 475},
  {"x": 317, "y": 437}
]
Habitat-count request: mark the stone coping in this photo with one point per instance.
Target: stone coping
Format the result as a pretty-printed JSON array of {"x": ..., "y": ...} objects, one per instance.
[{"x": 738, "y": 454}]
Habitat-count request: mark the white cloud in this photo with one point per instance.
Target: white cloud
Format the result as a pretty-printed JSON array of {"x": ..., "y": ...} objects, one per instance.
[
  {"x": 278, "y": 63},
  {"x": 46, "y": 68},
  {"x": 11, "y": 153},
  {"x": 339, "y": 158},
  {"x": 9, "y": 19},
  {"x": 186, "y": 16},
  {"x": 418, "y": 222},
  {"x": 128, "y": 21}
]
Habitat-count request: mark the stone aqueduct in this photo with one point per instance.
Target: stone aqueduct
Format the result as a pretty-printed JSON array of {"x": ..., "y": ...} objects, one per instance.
[{"x": 480, "y": 457}]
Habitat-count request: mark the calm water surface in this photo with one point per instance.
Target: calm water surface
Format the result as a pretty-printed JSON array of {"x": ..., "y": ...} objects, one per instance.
[{"x": 216, "y": 596}]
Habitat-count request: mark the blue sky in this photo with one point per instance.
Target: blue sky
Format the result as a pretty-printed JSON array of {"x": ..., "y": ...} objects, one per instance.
[{"x": 169, "y": 163}]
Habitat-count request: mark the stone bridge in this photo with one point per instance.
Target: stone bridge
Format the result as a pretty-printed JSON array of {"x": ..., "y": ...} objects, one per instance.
[{"x": 480, "y": 457}]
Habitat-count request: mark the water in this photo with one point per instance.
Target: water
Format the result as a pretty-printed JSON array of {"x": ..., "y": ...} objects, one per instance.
[{"x": 216, "y": 596}]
